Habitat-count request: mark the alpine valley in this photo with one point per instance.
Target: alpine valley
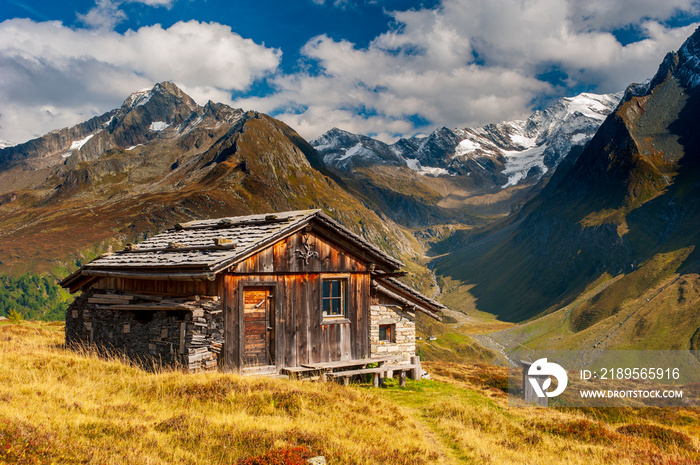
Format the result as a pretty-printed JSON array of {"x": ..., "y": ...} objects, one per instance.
[
  {"x": 574, "y": 228},
  {"x": 605, "y": 256}
]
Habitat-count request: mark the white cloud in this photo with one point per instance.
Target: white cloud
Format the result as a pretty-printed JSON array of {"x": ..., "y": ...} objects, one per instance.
[
  {"x": 464, "y": 63},
  {"x": 166, "y": 3},
  {"x": 106, "y": 13},
  {"x": 77, "y": 73},
  {"x": 606, "y": 14},
  {"x": 471, "y": 62}
]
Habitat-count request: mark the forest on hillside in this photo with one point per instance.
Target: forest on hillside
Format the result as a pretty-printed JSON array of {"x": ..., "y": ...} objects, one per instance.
[{"x": 34, "y": 297}]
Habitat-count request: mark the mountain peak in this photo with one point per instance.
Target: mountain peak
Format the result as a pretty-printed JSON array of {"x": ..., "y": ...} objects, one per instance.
[
  {"x": 689, "y": 61},
  {"x": 683, "y": 64},
  {"x": 166, "y": 90}
]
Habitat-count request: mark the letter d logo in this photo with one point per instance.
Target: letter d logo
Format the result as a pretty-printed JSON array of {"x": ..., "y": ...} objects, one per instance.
[{"x": 542, "y": 367}]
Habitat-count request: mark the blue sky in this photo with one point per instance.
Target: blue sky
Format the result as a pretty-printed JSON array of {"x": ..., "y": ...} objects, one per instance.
[{"x": 386, "y": 68}]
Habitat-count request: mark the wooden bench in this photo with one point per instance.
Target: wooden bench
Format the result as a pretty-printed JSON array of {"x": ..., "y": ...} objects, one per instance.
[
  {"x": 346, "y": 363},
  {"x": 301, "y": 372},
  {"x": 327, "y": 368},
  {"x": 403, "y": 370},
  {"x": 377, "y": 379}
]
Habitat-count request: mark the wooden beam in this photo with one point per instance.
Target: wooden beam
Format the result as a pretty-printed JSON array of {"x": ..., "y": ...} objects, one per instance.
[
  {"x": 155, "y": 276},
  {"x": 396, "y": 274},
  {"x": 139, "y": 307},
  {"x": 223, "y": 246}
]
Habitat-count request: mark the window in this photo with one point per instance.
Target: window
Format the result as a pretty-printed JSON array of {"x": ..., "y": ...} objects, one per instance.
[
  {"x": 386, "y": 333},
  {"x": 334, "y": 297}
]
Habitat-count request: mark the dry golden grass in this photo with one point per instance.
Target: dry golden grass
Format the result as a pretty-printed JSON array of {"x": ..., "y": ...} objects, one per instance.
[
  {"x": 467, "y": 409},
  {"x": 61, "y": 406}
]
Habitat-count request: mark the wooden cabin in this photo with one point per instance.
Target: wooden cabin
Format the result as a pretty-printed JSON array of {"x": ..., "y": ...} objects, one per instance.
[{"x": 259, "y": 291}]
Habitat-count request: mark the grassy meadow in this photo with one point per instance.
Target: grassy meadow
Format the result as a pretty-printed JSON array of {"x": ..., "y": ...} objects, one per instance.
[{"x": 64, "y": 406}]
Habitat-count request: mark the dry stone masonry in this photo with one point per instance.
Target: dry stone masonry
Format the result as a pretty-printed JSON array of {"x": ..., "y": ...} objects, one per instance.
[
  {"x": 400, "y": 339},
  {"x": 186, "y": 332}
]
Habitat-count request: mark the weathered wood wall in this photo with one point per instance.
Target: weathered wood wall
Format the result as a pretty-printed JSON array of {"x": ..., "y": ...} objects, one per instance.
[
  {"x": 286, "y": 256},
  {"x": 295, "y": 267},
  {"x": 152, "y": 286},
  {"x": 301, "y": 336}
]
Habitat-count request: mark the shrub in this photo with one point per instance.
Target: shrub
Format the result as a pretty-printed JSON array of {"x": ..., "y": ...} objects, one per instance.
[{"x": 14, "y": 316}]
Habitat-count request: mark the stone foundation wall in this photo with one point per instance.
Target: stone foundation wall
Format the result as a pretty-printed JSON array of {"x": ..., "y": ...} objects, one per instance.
[
  {"x": 402, "y": 343},
  {"x": 189, "y": 334}
]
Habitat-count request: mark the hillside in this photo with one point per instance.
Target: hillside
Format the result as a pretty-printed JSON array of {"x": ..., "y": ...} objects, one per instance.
[
  {"x": 60, "y": 406},
  {"x": 34, "y": 297},
  {"x": 624, "y": 212},
  {"x": 158, "y": 160}
]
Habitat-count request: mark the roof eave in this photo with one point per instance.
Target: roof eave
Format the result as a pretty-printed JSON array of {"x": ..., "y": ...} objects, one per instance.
[
  {"x": 164, "y": 276},
  {"x": 413, "y": 299}
]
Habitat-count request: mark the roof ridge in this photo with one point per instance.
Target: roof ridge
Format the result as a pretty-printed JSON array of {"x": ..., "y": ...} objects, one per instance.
[{"x": 262, "y": 218}]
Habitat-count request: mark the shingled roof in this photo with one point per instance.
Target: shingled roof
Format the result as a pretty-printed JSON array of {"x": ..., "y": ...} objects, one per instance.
[
  {"x": 201, "y": 249},
  {"x": 406, "y": 295}
]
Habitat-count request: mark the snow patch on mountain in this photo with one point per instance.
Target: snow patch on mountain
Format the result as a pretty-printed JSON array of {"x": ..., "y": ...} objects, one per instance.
[
  {"x": 158, "y": 126},
  {"x": 466, "y": 147},
  {"x": 415, "y": 165},
  {"x": 78, "y": 144},
  {"x": 139, "y": 98},
  {"x": 591, "y": 105},
  {"x": 520, "y": 163}
]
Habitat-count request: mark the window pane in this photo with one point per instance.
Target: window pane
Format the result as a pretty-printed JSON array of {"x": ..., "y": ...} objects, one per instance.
[
  {"x": 333, "y": 297},
  {"x": 382, "y": 333}
]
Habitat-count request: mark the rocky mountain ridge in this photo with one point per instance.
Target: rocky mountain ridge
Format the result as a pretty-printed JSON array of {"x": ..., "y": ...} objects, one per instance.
[
  {"x": 505, "y": 154},
  {"x": 157, "y": 160},
  {"x": 470, "y": 176}
]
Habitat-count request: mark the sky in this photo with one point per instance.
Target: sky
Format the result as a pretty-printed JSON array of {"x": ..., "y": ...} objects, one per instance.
[{"x": 385, "y": 68}]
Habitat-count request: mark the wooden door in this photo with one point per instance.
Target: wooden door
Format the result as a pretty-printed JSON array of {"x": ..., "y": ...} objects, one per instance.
[{"x": 258, "y": 332}]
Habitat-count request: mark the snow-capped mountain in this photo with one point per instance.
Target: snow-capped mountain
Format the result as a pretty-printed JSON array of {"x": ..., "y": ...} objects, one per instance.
[
  {"x": 505, "y": 153},
  {"x": 157, "y": 160},
  {"x": 157, "y": 113}
]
